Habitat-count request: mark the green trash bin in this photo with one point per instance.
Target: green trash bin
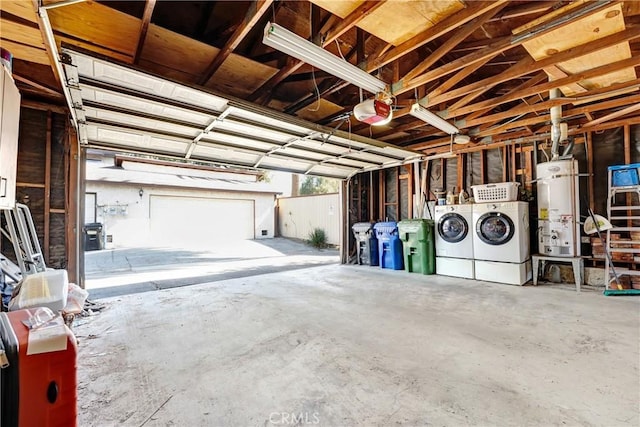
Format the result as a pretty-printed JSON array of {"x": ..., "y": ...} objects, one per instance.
[{"x": 418, "y": 245}]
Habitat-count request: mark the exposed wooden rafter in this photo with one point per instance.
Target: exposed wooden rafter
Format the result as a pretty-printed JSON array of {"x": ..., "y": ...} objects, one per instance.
[
  {"x": 616, "y": 114},
  {"x": 502, "y": 45},
  {"x": 528, "y": 65},
  {"x": 545, "y": 87},
  {"x": 462, "y": 33},
  {"x": 253, "y": 15},
  {"x": 472, "y": 11},
  {"x": 144, "y": 27}
]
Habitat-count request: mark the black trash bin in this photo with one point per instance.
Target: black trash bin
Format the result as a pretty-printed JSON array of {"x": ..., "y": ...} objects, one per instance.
[
  {"x": 367, "y": 243},
  {"x": 93, "y": 240}
]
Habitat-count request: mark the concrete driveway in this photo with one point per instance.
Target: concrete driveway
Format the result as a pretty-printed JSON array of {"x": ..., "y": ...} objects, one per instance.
[{"x": 114, "y": 272}]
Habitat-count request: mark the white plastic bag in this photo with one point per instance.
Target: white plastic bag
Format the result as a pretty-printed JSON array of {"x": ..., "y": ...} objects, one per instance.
[{"x": 76, "y": 298}]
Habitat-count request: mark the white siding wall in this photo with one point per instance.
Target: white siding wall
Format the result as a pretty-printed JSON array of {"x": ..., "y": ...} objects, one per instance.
[
  {"x": 125, "y": 214},
  {"x": 298, "y": 216}
]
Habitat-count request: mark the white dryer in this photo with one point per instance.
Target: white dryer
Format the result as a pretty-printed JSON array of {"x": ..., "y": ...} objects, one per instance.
[
  {"x": 454, "y": 240},
  {"x": 501, "y": 242}
]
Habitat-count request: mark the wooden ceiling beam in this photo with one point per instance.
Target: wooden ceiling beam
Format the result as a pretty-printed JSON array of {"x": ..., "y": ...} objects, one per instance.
[
  {"x": 516, "y": 111},
  {"x": 501, "y": 128},
  {"x": 602, "y": 105},
  {"x": 502, "y": 45},
  {"x": 254, "y": 14},
  {"x": 528, "y": 65},
  {"x": 144, "y": 27},
  {"x": 461, "y": 34},
  {"x": 556, "y": 73},
  {"x": 472, "y": 11},
  {"x": 347, "y": 23},
  {"x": 524, "y": 10},
  {"x": 457, "y": 78},
  {"x": 540, "y": 77},
  {"x": 620, "y": 113},
  {"x": 547, "y": 86},
  {"x": 576, "y": 130},
  {"x": 490, "y": 129},
  {"x": 477, "y": 44},
  {"x": 634, "y": 100},
  {"x": 522, "y": 64},
  {"x": 42, "y": 88}
]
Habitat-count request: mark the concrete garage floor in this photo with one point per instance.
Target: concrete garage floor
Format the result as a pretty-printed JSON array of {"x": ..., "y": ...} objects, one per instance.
[{"x": 352, "y": 345}]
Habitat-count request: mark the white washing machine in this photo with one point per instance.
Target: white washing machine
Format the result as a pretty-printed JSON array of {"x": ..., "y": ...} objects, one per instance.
[
  {"x": 454, "y": 240},
  {"x": 501, "y": 242}
]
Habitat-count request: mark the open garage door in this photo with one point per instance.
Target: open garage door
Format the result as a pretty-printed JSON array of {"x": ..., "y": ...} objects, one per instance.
[
  {"x": 193, "y": 222},
  {"x": 120, "y": 108}
]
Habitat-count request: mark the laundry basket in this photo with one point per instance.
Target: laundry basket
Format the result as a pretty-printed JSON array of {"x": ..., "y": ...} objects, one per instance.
[{"x": 499, "y": 192}]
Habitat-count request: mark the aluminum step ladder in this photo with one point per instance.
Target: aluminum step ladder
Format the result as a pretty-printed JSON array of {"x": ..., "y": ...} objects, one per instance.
[{"x": 19, "y": 229}]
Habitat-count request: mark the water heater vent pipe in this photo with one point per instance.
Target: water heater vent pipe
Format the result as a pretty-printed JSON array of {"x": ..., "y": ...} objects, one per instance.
[{"x": 556, "y": 114}]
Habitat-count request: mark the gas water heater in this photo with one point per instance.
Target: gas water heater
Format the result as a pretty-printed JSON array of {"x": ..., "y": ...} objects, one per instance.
[{"x": 558, "y": 208}]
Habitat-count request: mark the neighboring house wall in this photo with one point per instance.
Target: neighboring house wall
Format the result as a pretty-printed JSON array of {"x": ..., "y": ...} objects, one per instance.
[
  {"x": 127, "y": 215},
  {"x": 298, "y": 216}
]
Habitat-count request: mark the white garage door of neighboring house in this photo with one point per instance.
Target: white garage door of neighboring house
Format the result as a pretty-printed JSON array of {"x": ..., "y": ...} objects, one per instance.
[{"x": 191, "y": 221}]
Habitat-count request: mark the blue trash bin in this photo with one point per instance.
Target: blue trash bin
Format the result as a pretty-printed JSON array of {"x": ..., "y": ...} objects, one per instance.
[
  {"x": 389, "y": 245},
  {"x": 366, "y": 242}
]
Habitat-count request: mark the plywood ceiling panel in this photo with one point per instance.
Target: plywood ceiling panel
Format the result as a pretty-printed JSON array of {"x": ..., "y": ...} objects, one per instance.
[
  {"x": 174, "y": 55},
  {"x": 21, "y": 33},
  {"x": 316, "y": 111},
  {"x": 168, "y": 72},
  {"x": 177, "y": 52},
  {"x": 583, "y": 31},
  {"x": 98, "y": 25},
  {"x": 23, "y": 9},
  {"x": 409, "y": 17},
  {"x": 339, "y": 8},
  {"x": 239, "y": 76},
  {"x": 26, "y": 53}
]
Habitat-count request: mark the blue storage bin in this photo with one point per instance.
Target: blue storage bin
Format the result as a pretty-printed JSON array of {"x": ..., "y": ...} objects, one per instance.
[
  {"x": 625, "y": 175},
  {"x": 389, "y": 245}
]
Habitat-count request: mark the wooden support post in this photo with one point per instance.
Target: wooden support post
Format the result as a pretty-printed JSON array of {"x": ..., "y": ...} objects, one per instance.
[
  {"x": 71, "y": 207},
  {"x": 512, "y": 169},
  {"x": 590, "y": 178},
  {"x": 483, "y": 166},
  {"x": 345, "y": 249},
  {"x": 382, "y": 210},
  {"x": 398, "y": 194},
  {"x": 370, "y": 200},
  {"x": 627, "y": 160},
  {"x": 405, "y": 176},
  {"x": 627, "y": 144},
  {"x": 426, "y": 182},
  {"x": 443, "y": 174},
  {"x": 462, "y": 171},
  {"x": 417, "y": 196},
  {"x": 47, "y": 190},
  {"x": 505, "y": 163}
]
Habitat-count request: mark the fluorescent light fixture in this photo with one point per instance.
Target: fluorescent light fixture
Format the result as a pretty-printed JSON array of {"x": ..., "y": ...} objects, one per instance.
[
  {"x": 419, "y": 112},
  {"x": 292, "y": 44}
]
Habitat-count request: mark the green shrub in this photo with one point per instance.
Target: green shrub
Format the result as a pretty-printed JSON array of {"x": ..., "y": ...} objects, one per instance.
[{"x": 318, "y": 238}]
